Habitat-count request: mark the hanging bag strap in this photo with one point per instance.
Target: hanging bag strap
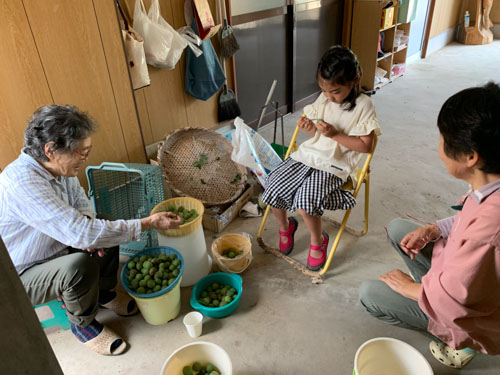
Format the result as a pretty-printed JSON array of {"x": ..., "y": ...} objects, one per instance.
[{"x": 122, "y": 14}]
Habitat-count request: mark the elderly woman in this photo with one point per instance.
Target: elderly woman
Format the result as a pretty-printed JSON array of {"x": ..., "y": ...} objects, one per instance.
[
  {"x": 453, "y": 290},
  {"x": 52, "y": 234}
]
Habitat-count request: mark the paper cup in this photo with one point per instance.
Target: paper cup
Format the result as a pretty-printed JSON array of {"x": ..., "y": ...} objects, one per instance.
[{"x": 194, "y": 323}]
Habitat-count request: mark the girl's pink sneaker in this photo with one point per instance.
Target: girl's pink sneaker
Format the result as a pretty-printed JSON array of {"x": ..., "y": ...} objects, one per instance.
[
  {"x": 314, "y": 264},
  {"x": 287, "y": 247}
]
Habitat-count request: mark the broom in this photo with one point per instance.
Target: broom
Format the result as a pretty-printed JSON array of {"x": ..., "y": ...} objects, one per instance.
[
  {"x": 228, "y": 106},
  {"x": 228, "y": 43}
]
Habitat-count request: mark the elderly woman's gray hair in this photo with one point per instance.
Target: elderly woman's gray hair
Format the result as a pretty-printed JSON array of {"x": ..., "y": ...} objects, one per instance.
[{"x": 64, "y": 125}]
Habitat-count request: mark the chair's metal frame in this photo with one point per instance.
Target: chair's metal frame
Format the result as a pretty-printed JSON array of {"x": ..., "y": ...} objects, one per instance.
[{"x": 363, "y": 177}]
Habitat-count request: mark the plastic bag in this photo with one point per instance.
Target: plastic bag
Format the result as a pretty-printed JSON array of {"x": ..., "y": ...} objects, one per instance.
[
  {"x": 253, "y": 151},
  {"x": 163, "y": 45}
]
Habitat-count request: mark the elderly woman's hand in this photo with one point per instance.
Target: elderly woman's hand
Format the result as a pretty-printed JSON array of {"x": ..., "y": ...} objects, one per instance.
[
  {"x": 161, "y": 220},
  {"x": 402, "y": 283},
  {"x": 415, "y": 241}
]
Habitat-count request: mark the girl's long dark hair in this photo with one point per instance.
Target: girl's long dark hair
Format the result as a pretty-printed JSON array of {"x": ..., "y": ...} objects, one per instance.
[{"x": 341, "y": 66}]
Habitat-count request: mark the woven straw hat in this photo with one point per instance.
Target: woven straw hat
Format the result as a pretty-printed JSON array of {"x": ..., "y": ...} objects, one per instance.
[{"x": 197, "y": 163}]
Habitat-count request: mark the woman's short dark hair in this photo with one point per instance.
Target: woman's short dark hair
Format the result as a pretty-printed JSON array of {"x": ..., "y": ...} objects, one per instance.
[
  {"x": 470, "y": 121},
  {"x": 341, "y": 66},
  {"x": 64, "y": 125}
]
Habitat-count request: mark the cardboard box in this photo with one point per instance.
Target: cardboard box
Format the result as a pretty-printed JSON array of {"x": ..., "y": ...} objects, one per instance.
[
  {"x": 387, "y": 18},
  {"x": 218, "y": 217}
]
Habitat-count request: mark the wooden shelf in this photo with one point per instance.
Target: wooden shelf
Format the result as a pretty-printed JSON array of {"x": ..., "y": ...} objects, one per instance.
[
  {"x": 400, "y": 48},
  {"x": 387, "y": 28},
  {"x": 365, "y": 34},
  {"x": 386, "y": 55}
]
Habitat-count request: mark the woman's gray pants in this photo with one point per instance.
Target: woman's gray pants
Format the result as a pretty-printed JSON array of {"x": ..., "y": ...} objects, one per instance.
[{"x": 384, "y": 303}]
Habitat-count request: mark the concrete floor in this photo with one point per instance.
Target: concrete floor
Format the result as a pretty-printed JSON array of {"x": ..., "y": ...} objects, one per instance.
[{"x": 285, "y": 324}]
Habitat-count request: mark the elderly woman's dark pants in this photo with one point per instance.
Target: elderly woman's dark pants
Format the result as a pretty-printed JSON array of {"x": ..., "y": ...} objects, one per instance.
[
  {"x": 384, "y": 303},
  {"x": 77, "y": 278}
]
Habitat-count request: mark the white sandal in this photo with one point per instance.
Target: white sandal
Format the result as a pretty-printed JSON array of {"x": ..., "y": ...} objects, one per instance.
[
  {"x": 120, "y": 303},
  {"x": 450, "y": 357},
  {"x": 102, "y": 343}
]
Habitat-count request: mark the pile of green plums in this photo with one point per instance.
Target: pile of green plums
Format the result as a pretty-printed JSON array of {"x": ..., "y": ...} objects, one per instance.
[
  {"x": 198, "y": 369},
  {"x": 217, "y": 295},
  {"x": 184, "y": 214},
  {"x": 149, "y": 274}
]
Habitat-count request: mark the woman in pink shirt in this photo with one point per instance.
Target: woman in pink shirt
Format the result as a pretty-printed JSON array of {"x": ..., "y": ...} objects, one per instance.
[{"x": 453, "y": 289}]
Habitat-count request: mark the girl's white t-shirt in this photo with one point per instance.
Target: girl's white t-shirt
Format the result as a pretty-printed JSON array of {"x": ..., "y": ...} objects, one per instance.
[{"x": 324, "y": 153}]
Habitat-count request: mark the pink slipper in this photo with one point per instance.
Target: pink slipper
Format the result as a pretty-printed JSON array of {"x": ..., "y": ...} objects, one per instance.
[
  {"x": 314, "y": 264},
  {"x": 287, "y": 247}
]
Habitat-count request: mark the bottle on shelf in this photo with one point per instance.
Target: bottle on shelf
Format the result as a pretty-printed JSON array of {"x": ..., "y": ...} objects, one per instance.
[{"x": 466, "y": 19}]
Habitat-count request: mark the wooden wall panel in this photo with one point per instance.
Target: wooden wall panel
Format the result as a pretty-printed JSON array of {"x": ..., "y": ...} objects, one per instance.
[
  {"x": 70, "y": 48},
  {"x": 166, "y": 103},
  {"x": 23, "y": 87},
  {"x": 142, "y": 110},
  {"x": 446, "y": 16},
  {"x": 495, "y": 12},
  {"x": 120, "y": 80}
]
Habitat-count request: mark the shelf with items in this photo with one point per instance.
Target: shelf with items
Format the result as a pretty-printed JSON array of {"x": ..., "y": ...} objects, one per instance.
[{"x": 372, "y": 24}]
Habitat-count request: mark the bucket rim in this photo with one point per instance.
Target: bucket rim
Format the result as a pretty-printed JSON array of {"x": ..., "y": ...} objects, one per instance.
[
  {"x": 400, "y": 342},
  {"x": 125, "y": 270},
  {"x": 163, "y": 369}
]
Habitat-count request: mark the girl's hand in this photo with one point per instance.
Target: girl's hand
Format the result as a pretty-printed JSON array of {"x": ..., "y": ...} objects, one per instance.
[
  {"x": 402, "y": 283},
  {"x": 306, "y": 125},
  {"x": 326, "y": 129},
  {"x": 415, "y": 241}
]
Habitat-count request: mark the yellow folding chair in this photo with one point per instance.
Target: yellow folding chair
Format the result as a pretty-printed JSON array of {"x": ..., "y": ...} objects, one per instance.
[{"x": 363, "y": 177}]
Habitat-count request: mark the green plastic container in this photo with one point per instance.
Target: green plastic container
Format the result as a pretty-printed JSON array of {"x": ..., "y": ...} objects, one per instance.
[{"x": 222, "y": 278}]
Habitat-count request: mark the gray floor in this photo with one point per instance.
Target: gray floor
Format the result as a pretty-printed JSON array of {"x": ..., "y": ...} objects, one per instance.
[{"x": 287, "y": 325}]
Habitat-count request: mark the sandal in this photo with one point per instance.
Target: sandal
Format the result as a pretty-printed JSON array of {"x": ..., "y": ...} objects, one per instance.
[
  {"x": 287, "y": 247},
  {"x": 120, "y": 305},
  {"x": 314, "y": 264},
  {"x": 451, "y": 357},
  {"x": 103, "y": 343}
]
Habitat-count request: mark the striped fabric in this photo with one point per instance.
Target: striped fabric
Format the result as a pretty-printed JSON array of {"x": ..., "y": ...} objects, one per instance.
[
  {"x": 87, "y": 333},
  {"x": 293, "y": 185},
  {"x": 40, "y": 216}
]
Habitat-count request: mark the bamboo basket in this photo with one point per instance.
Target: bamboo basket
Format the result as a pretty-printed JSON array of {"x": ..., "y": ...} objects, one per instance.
[{"x": 218, "y": 180}]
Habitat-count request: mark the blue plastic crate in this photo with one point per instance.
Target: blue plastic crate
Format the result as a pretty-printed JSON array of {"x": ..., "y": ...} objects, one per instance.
[{"x": 127, "y": 191}]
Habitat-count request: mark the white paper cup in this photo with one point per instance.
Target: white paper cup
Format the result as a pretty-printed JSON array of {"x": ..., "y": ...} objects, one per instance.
[{"x": 194, "y": 323}]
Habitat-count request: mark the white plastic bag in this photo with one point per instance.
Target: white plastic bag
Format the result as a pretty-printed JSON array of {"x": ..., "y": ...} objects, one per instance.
[
  {"x": 253, "y": 151},
  {"x": 162, "y": 44}
]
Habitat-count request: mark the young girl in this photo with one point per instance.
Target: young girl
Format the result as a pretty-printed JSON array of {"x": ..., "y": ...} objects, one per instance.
[{"x": 342, "y": 124}]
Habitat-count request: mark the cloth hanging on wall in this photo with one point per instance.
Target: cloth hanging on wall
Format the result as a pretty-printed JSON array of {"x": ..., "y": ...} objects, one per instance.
[{"x": 204, "y": 74}]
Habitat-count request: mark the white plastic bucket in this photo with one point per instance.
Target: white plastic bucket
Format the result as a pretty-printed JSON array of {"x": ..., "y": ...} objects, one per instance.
[
  {"x": 385, "y": 355},
  {"x": 201, "y": 351},
  {"x": 193, "y": 248},
  {"x": 161, "y": 309}
]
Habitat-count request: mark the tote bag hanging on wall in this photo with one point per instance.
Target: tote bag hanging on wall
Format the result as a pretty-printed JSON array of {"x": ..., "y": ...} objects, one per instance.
[
  {"x": 136, "y": 59},
  {"x": 204, "y": 74}
]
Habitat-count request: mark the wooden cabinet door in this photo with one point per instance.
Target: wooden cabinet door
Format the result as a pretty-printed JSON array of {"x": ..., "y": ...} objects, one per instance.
[
  {"x": 23, "y": 86},
  {"x": 68, "y": 39}
]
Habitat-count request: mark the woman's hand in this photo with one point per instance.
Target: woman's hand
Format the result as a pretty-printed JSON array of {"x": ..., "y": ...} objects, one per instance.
[
  {"x": 100, "y": 252},
  {"x": 326, "y": 129},
  {"x": 306, "y": 125},
  {"x": 161, "y": 220},
  {"x": 415, "y": 241},
  {"x": 402, "y": 283}
]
